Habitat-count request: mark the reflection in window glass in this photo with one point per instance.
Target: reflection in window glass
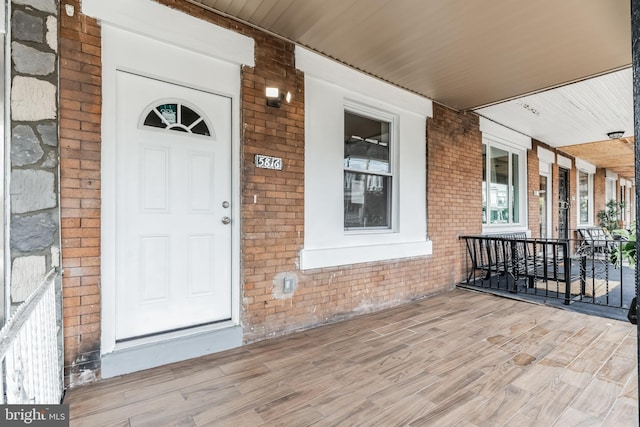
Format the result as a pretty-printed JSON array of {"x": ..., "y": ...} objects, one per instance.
[
  {"x": 499, "y": 186},
  {"x": 177, "y": 117},
  {"x": 542, "y": 204},
  {"x": 610, "y": 189},
  {"x": 501, "y": 190},
  {"x": 367, "y": 172},
  {"x": 484, "y": 183},
  {"x": 515, "y": 189}
]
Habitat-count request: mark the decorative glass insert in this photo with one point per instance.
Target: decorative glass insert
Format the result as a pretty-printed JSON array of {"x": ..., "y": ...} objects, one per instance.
[
  {"x": 367, "y": 172},
  {"x": 177, "y": 117}
]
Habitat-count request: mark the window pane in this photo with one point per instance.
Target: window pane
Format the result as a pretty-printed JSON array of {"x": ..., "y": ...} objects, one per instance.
[
  {"x": 188, "y": 116},
  {"x": 542, "y": 204},
  {"x": 515, "y": 193},
  {"x": 201, "y": 129},
  {"x": 366, "y": 200},
  {"x": 367, "y": 180},
  {"x": 484, "y": 183},
  {"x": 611, "y": 189},
  {"x": 583, "y": 194},
  {"x": 366, "y": 144},
  {"x": 153, "y": 119},
  {"x": 177, "y": 117},
  {"x": 499, "y": 186}
]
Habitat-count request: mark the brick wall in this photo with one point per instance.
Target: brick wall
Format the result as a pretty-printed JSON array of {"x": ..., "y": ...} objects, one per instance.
[
  {"x": 454, "y": 188},
  {"x": 80, "y": 109},
  {"x": 533, "y": 185},
  {"x": 272, "y": 228}
]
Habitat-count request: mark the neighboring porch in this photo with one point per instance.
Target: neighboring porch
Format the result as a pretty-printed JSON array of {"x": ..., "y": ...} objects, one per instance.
[
  {"x": 458, "y": 358},
  {"x": 590, "y": 276}
]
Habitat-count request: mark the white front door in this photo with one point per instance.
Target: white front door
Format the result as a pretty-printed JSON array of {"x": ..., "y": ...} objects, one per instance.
[{"x": 173, "y": 194}]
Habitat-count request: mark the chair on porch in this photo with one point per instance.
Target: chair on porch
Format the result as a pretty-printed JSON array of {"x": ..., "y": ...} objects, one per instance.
[{"x": 594, "y": 240}]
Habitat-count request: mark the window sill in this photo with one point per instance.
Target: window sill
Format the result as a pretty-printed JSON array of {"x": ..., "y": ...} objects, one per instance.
[
  {"x": 497, "y": 229},
  {"x": 332, "y": 257}
]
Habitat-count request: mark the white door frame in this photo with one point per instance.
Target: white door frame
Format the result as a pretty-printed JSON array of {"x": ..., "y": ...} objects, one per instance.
[
  {"x": 147, "y": 54},
  {"x": 549, "y": 203}
]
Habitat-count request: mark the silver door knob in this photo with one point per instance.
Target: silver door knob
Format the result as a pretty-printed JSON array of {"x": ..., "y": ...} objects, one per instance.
[
  {"x": 226, "y": 220},
  {"x": 225, "y": 204}
]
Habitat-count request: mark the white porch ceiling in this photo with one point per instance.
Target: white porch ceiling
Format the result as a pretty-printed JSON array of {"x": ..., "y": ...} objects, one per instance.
[
  {"x": 557, "y": 71},
  {"x": 576, "y": 118}
]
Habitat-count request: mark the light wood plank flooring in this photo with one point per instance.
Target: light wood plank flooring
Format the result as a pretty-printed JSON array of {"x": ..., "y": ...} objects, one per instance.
[{"x": 458, "y": 359}]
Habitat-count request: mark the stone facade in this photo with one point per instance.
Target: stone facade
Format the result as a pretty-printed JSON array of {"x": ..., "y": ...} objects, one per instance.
[{"x": 34, "y": 240}]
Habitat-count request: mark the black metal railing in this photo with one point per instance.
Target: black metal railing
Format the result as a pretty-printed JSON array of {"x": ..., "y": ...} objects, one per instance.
[{"x": 568, "y": 270}]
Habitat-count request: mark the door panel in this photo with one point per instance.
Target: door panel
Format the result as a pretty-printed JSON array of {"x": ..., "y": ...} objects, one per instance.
[{"x": 173, "y": 253}]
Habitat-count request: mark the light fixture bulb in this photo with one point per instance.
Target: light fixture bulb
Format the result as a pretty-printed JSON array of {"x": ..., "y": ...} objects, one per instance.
[
  {"x": 615, "y": 134},
  {"x": 275, "y": 98}
]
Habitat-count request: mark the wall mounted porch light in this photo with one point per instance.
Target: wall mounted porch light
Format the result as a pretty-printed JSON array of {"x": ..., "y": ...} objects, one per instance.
[
  {"x": 615, "y": 134},
  {"x": 275, "y": 98}
]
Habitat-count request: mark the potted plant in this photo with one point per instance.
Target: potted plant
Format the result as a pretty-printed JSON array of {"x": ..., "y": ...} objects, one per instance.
[{"x": 626, "y": 251}]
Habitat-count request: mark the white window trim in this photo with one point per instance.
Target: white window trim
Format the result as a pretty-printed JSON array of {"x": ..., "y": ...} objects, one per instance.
[
  {"x": 544, "y": 168},
  {"x": 590, "y": 207},
  {"x": 585, "y": 166},
  {"x": 549, "y": 191},
  {"x": 518, "y": 148},
  {"x": 607, "y": 182},
  {"x": 329, "y": 86},
  {"x": 546, "y": 156},
  {"x": 392, "y": 119},
  {"x": 504, "y": 135},
  {"x": 564, "y": 162},
  {"x": 590, "y": 170},
  {"x": 330, "y": 71}
]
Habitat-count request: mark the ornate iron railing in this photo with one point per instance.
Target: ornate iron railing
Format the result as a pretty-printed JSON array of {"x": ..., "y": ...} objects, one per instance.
[{"x": 29, "y": 351}]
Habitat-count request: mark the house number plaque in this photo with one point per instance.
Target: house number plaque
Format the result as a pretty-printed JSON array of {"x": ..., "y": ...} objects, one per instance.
[{"x": 268, "y": 162}]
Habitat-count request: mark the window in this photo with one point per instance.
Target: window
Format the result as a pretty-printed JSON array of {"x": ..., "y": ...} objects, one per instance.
[
  {"x": 501, "y": 184},
  {"x": 177, "y": 117},
  {"x": 610, "y": 189},
  {"x": 367, "y": 172},
  {"x": 365, "y": 169},
  {"x": 625, "y": 197},
  {"x": 543, "y": 203},
  {"x": 585, "y": 199}
]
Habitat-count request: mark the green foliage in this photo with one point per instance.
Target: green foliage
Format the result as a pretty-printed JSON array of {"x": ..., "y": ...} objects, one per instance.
[
  {"x": 609, "y": 218},
  {"x": 626, "y": 251}
]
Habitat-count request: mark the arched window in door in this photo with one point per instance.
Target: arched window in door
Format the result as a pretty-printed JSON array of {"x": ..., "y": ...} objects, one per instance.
[{"x": 177, "y": 116}]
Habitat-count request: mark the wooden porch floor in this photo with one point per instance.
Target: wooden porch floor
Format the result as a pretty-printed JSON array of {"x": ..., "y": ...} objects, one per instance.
[{"x": 461, "y": 358}]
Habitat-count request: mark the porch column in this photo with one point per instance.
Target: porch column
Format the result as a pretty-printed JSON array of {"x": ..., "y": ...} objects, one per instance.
[{"x": 635, "y": 54}]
